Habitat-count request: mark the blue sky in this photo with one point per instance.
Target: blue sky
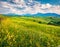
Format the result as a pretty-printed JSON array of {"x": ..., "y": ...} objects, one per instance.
[
  {"x": 29, "y": 6},
  {"x": 53, "y": 2}
]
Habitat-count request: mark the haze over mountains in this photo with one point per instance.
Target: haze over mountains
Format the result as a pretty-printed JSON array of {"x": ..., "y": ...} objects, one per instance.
[{"x": 35, "y": 15}]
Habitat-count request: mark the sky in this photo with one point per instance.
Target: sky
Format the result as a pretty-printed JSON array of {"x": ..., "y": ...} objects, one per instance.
[{"x": 21, "y": 7}]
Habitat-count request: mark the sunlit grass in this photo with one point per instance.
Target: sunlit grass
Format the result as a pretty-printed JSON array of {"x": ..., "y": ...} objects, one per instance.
[{"x": 24, "y": 32}]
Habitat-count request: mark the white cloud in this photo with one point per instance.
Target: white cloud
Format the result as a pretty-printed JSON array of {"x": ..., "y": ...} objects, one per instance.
[
  {"x": 21, "y": 8},
  {"x": 46, "y": 6}
]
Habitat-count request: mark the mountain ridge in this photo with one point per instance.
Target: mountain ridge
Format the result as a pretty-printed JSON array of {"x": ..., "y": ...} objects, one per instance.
[{"x": 38, "y": 14}]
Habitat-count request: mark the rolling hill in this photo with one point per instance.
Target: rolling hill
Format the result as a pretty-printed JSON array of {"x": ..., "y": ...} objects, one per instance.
[{"x": 29, "y": 32}]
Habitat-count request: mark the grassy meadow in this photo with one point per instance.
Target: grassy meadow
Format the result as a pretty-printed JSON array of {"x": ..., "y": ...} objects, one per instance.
[{"x": 29, "y": 31}]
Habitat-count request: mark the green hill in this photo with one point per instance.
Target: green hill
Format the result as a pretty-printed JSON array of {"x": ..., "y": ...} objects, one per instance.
[{"x": 28, "y": 32}]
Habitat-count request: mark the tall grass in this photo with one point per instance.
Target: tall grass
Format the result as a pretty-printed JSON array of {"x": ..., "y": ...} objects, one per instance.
[{"x": 23, "y": 32}]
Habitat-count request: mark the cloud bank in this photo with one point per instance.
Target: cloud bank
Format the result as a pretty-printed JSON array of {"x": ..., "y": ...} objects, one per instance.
[{"x": 27, "y": 7}]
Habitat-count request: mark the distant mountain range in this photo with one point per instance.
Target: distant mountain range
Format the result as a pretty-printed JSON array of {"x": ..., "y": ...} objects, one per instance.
[
  {"x": 47, "y": 14},
  {"x": 37, "y": 15}
]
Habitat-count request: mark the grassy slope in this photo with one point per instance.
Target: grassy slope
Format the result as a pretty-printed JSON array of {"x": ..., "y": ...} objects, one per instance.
[{"x": 25, "y": 32}]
